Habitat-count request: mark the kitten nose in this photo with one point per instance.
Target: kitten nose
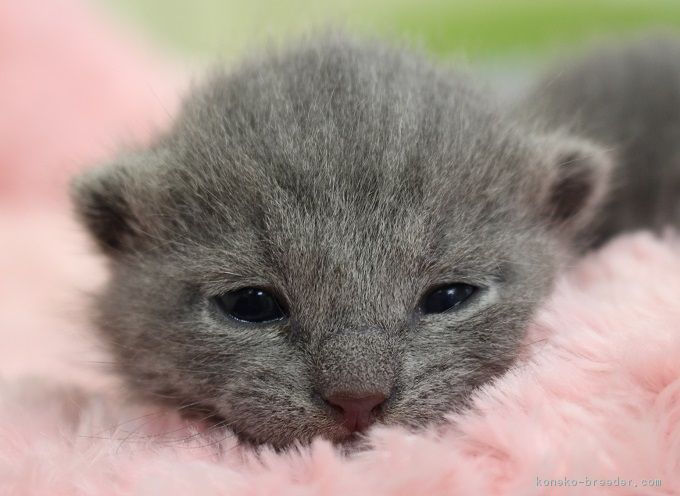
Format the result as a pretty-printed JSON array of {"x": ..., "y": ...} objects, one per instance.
[{"x": 358, "y": 410}]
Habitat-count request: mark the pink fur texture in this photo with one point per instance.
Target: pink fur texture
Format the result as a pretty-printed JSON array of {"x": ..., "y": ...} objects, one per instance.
[
  {"x": 592, "y": 408},
  {"x": 74, "y": 86}
]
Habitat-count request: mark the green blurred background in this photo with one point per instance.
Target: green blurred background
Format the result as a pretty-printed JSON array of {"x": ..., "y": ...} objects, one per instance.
[{"x": 479, "y": 30}]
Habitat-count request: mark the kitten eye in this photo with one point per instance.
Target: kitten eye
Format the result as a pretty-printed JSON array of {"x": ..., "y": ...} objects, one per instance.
[
  {"x": 250, "y": 305},
  {"x": 445, "y": 298}
]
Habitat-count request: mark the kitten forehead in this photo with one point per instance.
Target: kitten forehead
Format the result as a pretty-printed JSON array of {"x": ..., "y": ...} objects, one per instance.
[
  {"x": 337, "y": 115},
  {"x": 338, "y": 128},
  {"x": 343, "y": 162}
]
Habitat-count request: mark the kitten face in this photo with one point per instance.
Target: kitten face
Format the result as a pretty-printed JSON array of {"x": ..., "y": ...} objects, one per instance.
[{"x": 348, "y": 180}]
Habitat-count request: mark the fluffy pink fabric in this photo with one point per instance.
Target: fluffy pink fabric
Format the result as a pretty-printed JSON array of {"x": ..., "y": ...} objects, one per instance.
[
  {"x": 73, "y": 88},
  {"x": 595, "y": 399}
]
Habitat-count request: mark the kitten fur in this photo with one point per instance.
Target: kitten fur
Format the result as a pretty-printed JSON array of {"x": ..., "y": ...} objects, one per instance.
[
  {"x": 626, "y": 97},
  {"x": 349, "y": 177}
]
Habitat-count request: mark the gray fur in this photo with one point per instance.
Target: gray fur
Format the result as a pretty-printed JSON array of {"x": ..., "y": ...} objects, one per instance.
[
  {"x": 626, "y": 97},
  {"x": 349, "y": 177}
]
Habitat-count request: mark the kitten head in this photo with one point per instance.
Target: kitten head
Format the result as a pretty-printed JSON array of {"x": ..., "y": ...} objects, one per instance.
[{"x": 330, "y": 236}]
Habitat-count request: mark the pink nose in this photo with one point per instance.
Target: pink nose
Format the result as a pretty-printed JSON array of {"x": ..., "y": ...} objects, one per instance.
[{"x": 358, "y": 410}]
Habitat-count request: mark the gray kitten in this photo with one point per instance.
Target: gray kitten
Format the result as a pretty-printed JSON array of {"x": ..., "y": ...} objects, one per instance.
[{"x": 343, "y": 232}]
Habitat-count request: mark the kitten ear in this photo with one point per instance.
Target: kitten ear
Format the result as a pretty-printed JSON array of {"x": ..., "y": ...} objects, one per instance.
[
  {"x": 103, "y": 201},
  {"x": 574, "y": 181}
]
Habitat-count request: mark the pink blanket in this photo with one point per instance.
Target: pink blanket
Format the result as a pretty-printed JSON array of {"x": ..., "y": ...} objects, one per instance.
[{"x": 593, "y": 407}]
